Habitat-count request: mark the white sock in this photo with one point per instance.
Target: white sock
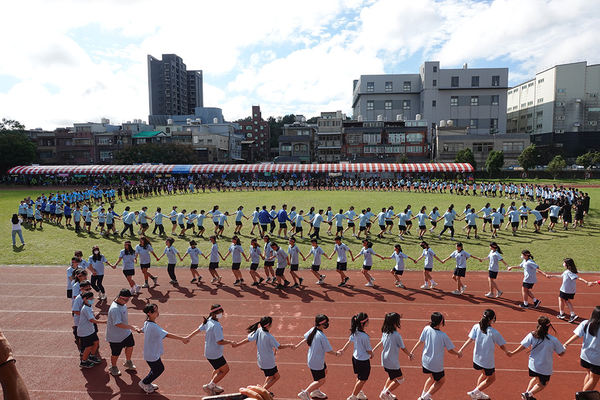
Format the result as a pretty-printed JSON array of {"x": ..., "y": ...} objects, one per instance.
[
  {"x": 211, "y": 384},
  {"x": 476, "y": 391},
  {"x": 526, "y": 303},
  {"x": 432, "y": 282}
]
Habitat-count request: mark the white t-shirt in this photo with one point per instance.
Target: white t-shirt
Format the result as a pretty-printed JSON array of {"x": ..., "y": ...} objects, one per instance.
[
  {"x": 194, "y": 253},
  {"x": 117, "y": 314},
  {"x": 483, "y": 352},
  {"x": 341, "y": 252},
  {"x": 428, "y": 254},
  {"x": 317, "y": 252},
  {"x": 214, "y": 334},
  {"x": 265, "y": 342},
  {"x": 255, "y": 253},
  {"x": 392, "y": 343},
  {"x": 85, "y": 327},
  {"x": 368, "y": 253},
  {"x": 399, "y": 257},
  {"x": 494, "y": 257},
  {"x": 433, "y": 351},
  {"x": 569, "y": 282},
  {"x": 362, "y": 344},
  {"x": 590, "y": 349},
  {"x": 540, "y": 357},
  {"x": 317, "y": 349},
  {"x": 153, "y": 337},
  {"x": 461, "y": 258},
  {"x": 529, "y": 271}
]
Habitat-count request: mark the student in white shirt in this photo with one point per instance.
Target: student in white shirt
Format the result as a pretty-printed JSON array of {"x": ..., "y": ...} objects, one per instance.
[
  {"x": 317, "y": 252},
  {"x": 128, "y": 256},
  {"x": 432, "y": 360},
  {"x": 543, "y": 346},
  {"x": 493, "y": 269},
  {"x": 590, "y": 349},
  {"x": 236, "y": 252},
  {"x": 86, "y": 332},
  {"x": 342, "y": 260},
  {"x": 398, "y": 269},
  {"x": 485, "y": 338},
  {"x": 460, "y": 256},
  {"x": 429, "y": 255},
  {"x": 362, "y": 354},
  {"x": 119, "y": 333},
  {"x": 215, "y": 256},
  {"x": 368, "y": 253},
  {"x": 195, "y": 254},
  {"x": 172, "y": 255},
  {"x": 255, "y": 257},
  {"x": 143, "y": 251},
  {"x": 266, "y": 346},
  {"x": 530, "y": 268},
  {"x": 568, "y": 288},
  {"x": 96, "y": 267},
  {"x": 318, "y": 345},
  {"x": 392, "y": 343},
  {"x": 295, "y": 253}
]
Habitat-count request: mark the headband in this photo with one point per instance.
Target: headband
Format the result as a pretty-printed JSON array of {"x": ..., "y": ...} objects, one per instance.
[
  {"x": 324, "y": 321},
  {"x": 216, "y": 309},
  {"x": 364, "y": 320}
]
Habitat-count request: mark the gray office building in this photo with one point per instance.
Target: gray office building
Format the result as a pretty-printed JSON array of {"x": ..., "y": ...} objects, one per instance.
[
  {"x": 173, "y": 90},
  {"x": 473, "y": 98}
]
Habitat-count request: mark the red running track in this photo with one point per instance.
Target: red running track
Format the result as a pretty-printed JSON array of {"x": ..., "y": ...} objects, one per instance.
[{"x": 35, "y": 316}]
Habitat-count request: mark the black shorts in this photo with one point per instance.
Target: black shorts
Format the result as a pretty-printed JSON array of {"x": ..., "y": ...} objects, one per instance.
[
  {"x": 174, "y": 223},
  {"x": 318, "y": 374},
  {"x": 129, "y": 272},
  {"x": 428, "y": 269},
  {"x": 368, "y": 224},
  {"x": 194, "y": 266},
  {"x": 553, "y": 219},
  {"x": 362, "y": 228},
  {"x": 235, "y": 266},
  {"x": 398, "y": 271},
  {"x": 408, "y": 223},
  {"x": 283, "y": 225},
  {"x": 492, "y": 274},
  {"x": 213, "y": 265},
  {"x": 145, "y": 225},
  {"x": 116, "y": 348},
  {"x": 436, "y": 375},
  {"x": 528, "y": 285},
  {"x": 341, "y": 266},
  {"x": 594, "y": 369},
  {"x": 279, "y": 271},
  {"x": 293, "y": 267},
  {"x": 270, "y": 371},
  {"x": 263, "y": 227},
  {"x": 88, "y": 341},
  {"x": 221, "y": 227},
  {"x": 253, "y": 266},
  {"x": 487, "y": 220},
  {"x": 524, "y": 218},
  {"x": 144, "y": 266},
  {"x": 109, "y": 226},
  {"x": 389, "y": 222},
  {"x": 238, "y": 223},
  {"x": 422, "y": 227},
  {"x": 472, "y": 226},
  {"x": 543, "y": 378},
  {"x": 101, "y": 224},
  {"x": 514, "y": 224},
  {"x": 393, "y": 373},
  {"x": 433, "y": 223},
  {"x": 187, "y": 226},
  {"x": 269, "y": 263},
  {"x": 486, "y": 371},
  {"x": 315, "y": 267},
  {"x": 255, "y": 223},
  {"x": 566, "y": 296},
  {"x": 460, "y": 272},
  {"x": 182, "y": 226},
  {"x": 350, "y": 224},
  {"x": 367, "y": 267},
  {"x": 362, "y": 369},
  {"x": 402, "y": 228},
  {"x": 217, "y": 363},
  {"x": 382, "y": 227},
  {"x": 339, "y": 229},
  {"x": 88, "y": 223},
  {"x": 216, "y": 223},
  {"x": 496, "y": 226},
  {"x": 69, "y": 293},
  {"x": 538, "y": 222}
]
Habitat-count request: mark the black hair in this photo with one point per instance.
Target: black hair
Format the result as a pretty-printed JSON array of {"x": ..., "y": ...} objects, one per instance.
[
  {"x": 320, "y": 320},
  {"x": 358, "y": 322},
  {"x": 15, "y": 219},
  {"x": 391, "y": 322},
  {"x": 544, "y": 325},
  {"x": 527, "y": 253},
  {"x": 436, "y": 319},
  {"x": 264, "y": 321},
  {"x": 128, "y": 250},
  {"x": 495, "y": 246},
  {"x": 594, "y": 322},
  {"x": 170, "y": 240},
  {"x": 149, "y": 308},
  {"x": 216, "y": 307},
  {"x": 486, "y": 321},
  {"x": 87, "y": 295},
  {"x": 96, "y": 257},
  {"x": 570, "y": 265},
  {"x": 146, "y": 242},
  {"x": 193, "y": 243}
]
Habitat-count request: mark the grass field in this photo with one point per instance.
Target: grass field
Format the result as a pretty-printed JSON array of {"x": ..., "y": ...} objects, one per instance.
[{"x": 54, "y": 245}]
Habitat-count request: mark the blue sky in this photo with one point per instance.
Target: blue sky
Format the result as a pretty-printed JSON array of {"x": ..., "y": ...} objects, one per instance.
[{"x": 72, "y": 61}]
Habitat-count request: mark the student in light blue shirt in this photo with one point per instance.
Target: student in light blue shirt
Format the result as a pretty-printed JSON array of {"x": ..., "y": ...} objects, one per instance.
[
  {"x": 448, "y": 218},
  {"x": 362, "y": 354},
  {"x": 195, "y": 254},
  {"x": 568, "y": 288},
  {"x": 351, "y": 216},
  {"x": 530, "y": 268},
  {"x": 172, "y": 255},
  {"x": 590, "y": 348},
  {"x": 460, "y": 256},
  {"x": 237, "y": 251},
  {"x": 158, "y": 222}
]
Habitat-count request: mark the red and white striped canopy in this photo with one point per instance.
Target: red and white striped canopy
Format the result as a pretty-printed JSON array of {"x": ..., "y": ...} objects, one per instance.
[{"x": 239, "y": 168}]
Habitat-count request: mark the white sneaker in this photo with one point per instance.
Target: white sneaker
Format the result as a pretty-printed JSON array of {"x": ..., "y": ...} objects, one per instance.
[
  {"x": 369, "y": 284},
  {"x": 385, "y": 395},
  {"x": 317, "y": 394},
  {"x": 425, "y": 286},
  {"x": 483, "y": 396},
  {"x": 304, "y": 395},
  {"x": 103, "y": 296},
  {"x": 146, "y": 388},
  {"x": 400, "y": 285},
  {"x": 463, "y": 288},
  {"x": 137, "y": 288},
  {"x": 456, "y": 292},
  {"x": 488, "y": 295},
  {"x": 434, "y": 284},
  {"x": 352, "y": 397},
  {"x": 361, "y": 395}
]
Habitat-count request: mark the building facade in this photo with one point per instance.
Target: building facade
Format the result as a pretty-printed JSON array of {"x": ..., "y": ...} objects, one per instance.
[
  {"x": 473, "y": 98},
  {"x": 257, "y": 137},
  {"x": 297, "y": 144},
  {"x": 329, "y": 136}
]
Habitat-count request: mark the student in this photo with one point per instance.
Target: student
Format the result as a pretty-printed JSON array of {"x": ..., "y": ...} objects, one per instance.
[
  {"x": 128, "y": 221},
  {"x": 128, "y": 256},
  {"x": 460, "y": 256},
  {"x": 222, "y": 222},
  {"x": 239, "y": 214},
  {"x": 215, "y": 256},
  {"x": 143, "y": 250},
  {"x": 316, "y": 222},
  {"x": 200, "y": 223},
  {"x": 485, "y": 338},
  {"x": 172, "y": 255},
  {"x": 351, "y": 216},
  {"x": 158, "y": 222},
  {"x": 255, "y": 256},
  {"x": 398, "y": 269},
  {"x": 16, "y": 229},
  {"x": 294, "y": 253},
  {"x": 317, "y": 252},
  {"x": 71, "y": 276},
  {"x": 213, "y": 348},
  {"x": 119, "y": 333},
  {"x": 392, "y": 343},
  {"x": 434, "y": 215},
  {"x": 283, "y": 260},
  {"x": 143, "y": 221},
  {"x": 429, "y": 255},
  {"x": 318, "y": 345},
  {"x": 255, "y": 220},
  {"x": 448, "y": 218},
  {"x": 543, "y": 345},
  {"x": 153, "y": 347},
  {"x": 362, "y": 354},
  {"x": 529, "y": 270},
  {"x": 432, "y": 360},
  {"x": 265, "y": 343},
  {"x": 298, "y": 219},
  {"x": 568, "y": 288},
  {"x": 237, "y": 251},
  {"x": 367, "y": 252},
  {"x": 76, "y": 305},
  {"x": 471, "y": 216},
  {"x": 96, "y": 267},
  {"x": 86, "y": 332},
  {"x": 421, "y": 218},
  {"x": 195, "y": 254},
  {"x": 590, "y": 348},
  {"x": 494, "y": 256},
  {"x": 342, "y": 260},
  {"x": 269, "y": 263}
]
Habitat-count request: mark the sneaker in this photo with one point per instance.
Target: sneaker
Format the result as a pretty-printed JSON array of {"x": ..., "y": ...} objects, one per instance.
[
  {"x": 213, "y": 280},
  {"x": 499, "y": 293},
  {"x": 523, "y": 305},
  {"x": 146, "y": 388},
  {"x": 218, "y": 389},
  {"x": 114, "y": 370},
  {"x": 425, "y": 286},
  {"x": 463, "y": 288},
  {"x": 573, "y": 318},
  {"x": 456, "y": 292},
  {"x": 400, "y": 285},
  {"x": 86, "y": 364},
  {"x": 173, "y": 282},
  {"x": 369, "y": 284},
  {"x": 145, "y": 285},
  {"x": 434, "y": 284},
  {"x": 137, "y": 289},
  {"x": 154, "y": 386},
  {"x": 268, "y": 279},
  {"x": 385, "y": 395},
  {"x": 346, "y": 279},
  {"x": 254, "y": 284},
  {"x": 94, "y": 359},
  {"x": 489, "y": 294},
  {"x": 342, "y": 283},
  {"x": 103, "y": 296},
  {"x": 322, "y": 278},
  {"x": 300, "y": 280},
  {"x": 218, "y": 279},
  {"x": 352, "y": 397},
  {"x": 483, "y": 396},
  {"x": 537, "y": 303},
  {"x": 361, "y": 395},
  {"x": 194, "y": 280},
  {"x": 237, "y": 282},
  {"x": 561, "y": 316},
  {"x": 155, "y": 279},
  {"x": 286, "y": 283},
  {"x": 207, "y": 388},
  {"x": 99, "y": 296},
  {"x": 525, "y": 396},
  {"x": 295, "y": 286},
  {"x": 304, "y": 395},
  {"x": 317, "y": 394},
  {"x": 129, "y": 365},
  {"x": 261, "y": 280}
]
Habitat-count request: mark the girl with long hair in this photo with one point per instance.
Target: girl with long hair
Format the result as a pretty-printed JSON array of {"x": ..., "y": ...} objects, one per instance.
[
  {"x": 590, "y": 349},
  {"x": 530, "y": 268},
  {"x": 362, "y": 354},
  {"x": 368, "y": 253},
  {"x": 398, "y": 269},
  {"x": 460, "y": 256},
  {"x": 567, "y": 289},
  {"x": 494, "y": 256},
  {"x": 128, "y": 256},
  {"x": 96, "y": 267},
  {"x": 237, "y": 251},
  {"x": 143, "y": 251},
  {"x": 429, "y": 255}
]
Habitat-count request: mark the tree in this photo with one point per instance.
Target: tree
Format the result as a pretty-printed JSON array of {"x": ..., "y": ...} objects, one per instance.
[
  {"x": 169, "y": 153},
  {"x": 557, "y": 165},
  {"x": 494, "y": 162},
  {"x": 528, "y": 157},
  {"x": 585, "y": 160},
  {"x": 276, "y": 127},
  {"x": 466, "y": 156},
  {"x": 15, "y": 146}
]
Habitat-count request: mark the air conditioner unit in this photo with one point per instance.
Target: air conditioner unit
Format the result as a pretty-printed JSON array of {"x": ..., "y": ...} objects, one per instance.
[{"x": 109, "y": 141}]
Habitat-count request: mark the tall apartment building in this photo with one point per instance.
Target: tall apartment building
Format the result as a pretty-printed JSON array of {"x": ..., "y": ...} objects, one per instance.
[
  {"x": 297, "y": 144},
  {"x": 173, "y": 90},
  {"x": 329, "y": 136},
  {"x": 257, "y": 137},
  {"x": 473, "y": 98},
  {"x": 561, "y": 99}
]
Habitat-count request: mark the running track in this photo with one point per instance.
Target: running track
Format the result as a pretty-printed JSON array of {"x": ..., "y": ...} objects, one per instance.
[{"x": 35, "y": 317}]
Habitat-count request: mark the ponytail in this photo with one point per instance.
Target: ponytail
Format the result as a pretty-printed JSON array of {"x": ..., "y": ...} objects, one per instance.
[
  {"x": 320, "y": 320},
  {"x": 264, "y": 321},
  {"x": 436, "y": 319},
  {"x": 544, "y": 325},
  {"x": 358, "y": 322},
  {"x": 486, "y": 321},
  {"x": 495, "y": 246}
]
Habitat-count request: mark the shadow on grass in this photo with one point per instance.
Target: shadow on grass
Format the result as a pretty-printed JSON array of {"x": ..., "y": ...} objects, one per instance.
[{"x": 18, "y": 249}]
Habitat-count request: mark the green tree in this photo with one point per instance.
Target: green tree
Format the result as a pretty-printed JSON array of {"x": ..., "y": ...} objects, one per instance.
[
  {"x": 494, "y": 162},
  {"x": 557, "y": 165},
  {"x": 276, "y": 127},
  {"x": 15, "y": 146},
  {"x": 528, "y": 157},
  {"x": 169, "y": 153},
  {"x": 466, "y": 156},
  {"x": 585, "y": 160}
]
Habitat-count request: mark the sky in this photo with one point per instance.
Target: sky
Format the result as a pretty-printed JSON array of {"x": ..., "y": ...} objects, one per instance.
[{"x": 70, "y": 61}]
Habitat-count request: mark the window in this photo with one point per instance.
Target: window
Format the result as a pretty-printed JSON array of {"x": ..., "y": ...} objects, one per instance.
[
  {"x": 523, "y": 116},
  {"x": 474, "y": 100},
  {"x": 287, "y": 147},
  {"x": 540, "y": 100},
  {"x": 539, "y": 126},
  {"x": 561, "y": 90},
  {"x": 593, "y": 95},
  {"x": 483, "y": 147},
  {"x": 414, "y": 149},
  {"x": 396, "y": 138},
  {"x": 512, "y": 147},
  {"x": 388, "y": 104},
  {"x": 414, "y": 137},
  {"x": 530, "y": 84},
  {"x": 393, "y": 149},
  {"x": 435, "y": 82},
  {"x": 370, "y": 104},
  {"x": 560, "y": 103},
  {"x": 389, "y": 86},
  {"x": 530, "y": 103},
  {"x": 370, "y": 86},
  {"x": 515, "y": 90},
  {"x": 371, "y": 138},
  {"x": 593, "y": 122},
  {"x": 495, "y": 100},
  {"x": 406, "y": 104},
  {"x": 494, "y": 123},
  {"x": 454, "y": 81},
  {"x": 539, "y": 113},
  {"x": 45, "y": 154},
  {"x": 474, "y": 81},
  {"x": 104, "y": 140},
  {"x": 106, "y": 155},
  {"x": 541, "y": 80},
  {"x": 433, "y": 103},
  {"x": 594, "y": 109},
  {"x": 454, "y": 101},
  {"x": 453, "y": 147},
  {"x": 555, "y": 131},
  {"x": 434, "y": 68},
  {"x": 559, "y": 144},
  {"x": 560, "y": 117},
  {"x": 524, "y": 87},
  {"x": 354, "y": 138},
  {"x": 473, "y": 123},
  {"x": 406, "y": 86},
  {"x": 373, "y": 149},
  {"x": 496, "y": 80}
]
